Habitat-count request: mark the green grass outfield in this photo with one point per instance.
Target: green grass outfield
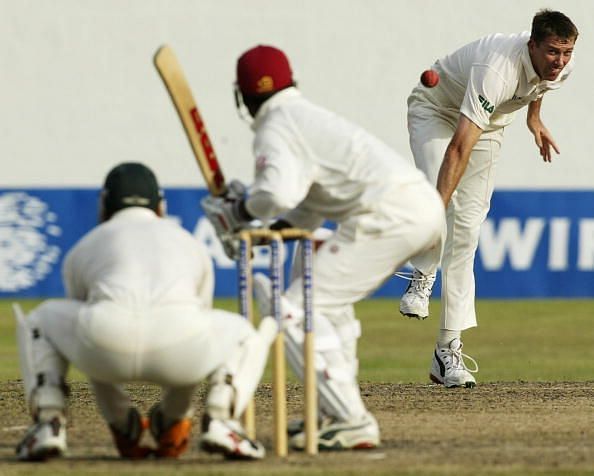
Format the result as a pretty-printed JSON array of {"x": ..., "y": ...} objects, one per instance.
[{"x": 536, "y": 340}]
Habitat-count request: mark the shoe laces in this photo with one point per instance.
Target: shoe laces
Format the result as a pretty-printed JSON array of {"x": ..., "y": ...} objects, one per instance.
[
  {"x": 419, "y": 283},
  {"x": 458, "y": 357}
]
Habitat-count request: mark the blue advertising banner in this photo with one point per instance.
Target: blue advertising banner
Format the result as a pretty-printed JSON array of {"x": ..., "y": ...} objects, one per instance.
[
  {"x": 537, "y": 244},
  {"x": 534, "y": 244}
]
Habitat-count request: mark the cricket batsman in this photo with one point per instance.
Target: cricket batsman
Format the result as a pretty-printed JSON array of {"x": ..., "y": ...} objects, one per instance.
[{"x": 312, "y": 165}]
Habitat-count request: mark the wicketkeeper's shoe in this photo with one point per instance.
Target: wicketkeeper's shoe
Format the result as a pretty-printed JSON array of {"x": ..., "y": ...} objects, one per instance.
[
  {"x": 448, "y": 367},
  {"x": 43, "y": 440},
  {"x": 128, "y": 442},
  {"x": 172, "y": 438},
  {"x": 415, "y": 300},
  {"x": 360, "y": 434},
  {"x": 228, "y": 438}
]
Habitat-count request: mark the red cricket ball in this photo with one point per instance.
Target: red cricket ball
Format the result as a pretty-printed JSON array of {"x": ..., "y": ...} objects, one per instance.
[{"x": 429, "y": 78}]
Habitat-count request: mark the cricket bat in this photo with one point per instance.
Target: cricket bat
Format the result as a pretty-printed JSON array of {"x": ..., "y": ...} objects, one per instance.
[{"x": 181, "y": 95}]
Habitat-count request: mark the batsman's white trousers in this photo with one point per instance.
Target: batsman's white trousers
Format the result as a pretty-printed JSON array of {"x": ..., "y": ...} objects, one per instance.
[
  {"x": 430, "y": 132},
  {"x": 362, "y": 254},
  {"x": 175, "y": 346}
]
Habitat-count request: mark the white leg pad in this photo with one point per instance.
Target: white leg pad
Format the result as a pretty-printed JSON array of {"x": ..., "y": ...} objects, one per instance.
[
  {"x": 349, "y": 333},
  {"x": 336, "y": 373},
  {"x": 25, "y": 343},
  {"x": 234, "y": 384},
  {"x": 47, "y": 397},
  {"x": 219, "y": 401},
  {"x": 42, "y": 367},
  {"x": 337, "y": 388}
]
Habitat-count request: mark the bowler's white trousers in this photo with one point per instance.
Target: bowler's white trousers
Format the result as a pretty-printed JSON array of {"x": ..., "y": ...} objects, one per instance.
[
  {"x": 173, "y": 345},
  {"x": 430, "y": 131}
]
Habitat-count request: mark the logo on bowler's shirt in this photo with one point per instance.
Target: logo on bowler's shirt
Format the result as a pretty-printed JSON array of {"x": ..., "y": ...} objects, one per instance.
[
  {"x": 27, "y": 227},
  {"x": 487, "y": 106}
]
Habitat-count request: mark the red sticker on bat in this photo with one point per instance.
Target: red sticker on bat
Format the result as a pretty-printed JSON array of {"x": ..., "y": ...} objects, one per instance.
[{"x": 211, "y": 157}]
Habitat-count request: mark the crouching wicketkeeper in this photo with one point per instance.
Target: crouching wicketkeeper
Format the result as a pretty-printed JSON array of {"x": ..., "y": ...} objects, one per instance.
[{"x": 139, "y": 308}]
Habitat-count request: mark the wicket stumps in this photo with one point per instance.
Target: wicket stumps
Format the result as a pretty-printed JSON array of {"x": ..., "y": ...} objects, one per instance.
[{"x": 275, "y": 240}]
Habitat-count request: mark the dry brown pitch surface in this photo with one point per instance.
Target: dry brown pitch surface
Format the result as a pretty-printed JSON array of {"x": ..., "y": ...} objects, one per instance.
[{"x": 497, "y": 428}]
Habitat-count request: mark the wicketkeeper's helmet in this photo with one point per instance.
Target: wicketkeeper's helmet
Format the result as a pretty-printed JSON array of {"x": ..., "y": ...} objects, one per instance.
[{"x": 130, "y": 184}]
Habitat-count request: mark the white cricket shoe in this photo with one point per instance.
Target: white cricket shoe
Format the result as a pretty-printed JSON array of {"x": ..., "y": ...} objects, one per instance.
[
  {"x": 415, "y": 300},
  {"x": 298, "y": 425},
  {"x": 448, "y": 367},
  {"x": 352, "y": 435},
  {"x": 43, "y": 440},
  {"x": 228, "y": 438}
]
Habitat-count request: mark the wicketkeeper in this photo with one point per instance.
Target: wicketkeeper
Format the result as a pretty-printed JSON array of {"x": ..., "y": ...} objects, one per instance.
[
  {"x": 139, "y": 308},
  {"x": 310, "y": 166}
]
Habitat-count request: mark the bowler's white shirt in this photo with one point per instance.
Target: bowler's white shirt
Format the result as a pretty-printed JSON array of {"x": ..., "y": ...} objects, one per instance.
[
  {"x": 319, "y": 165},
  {"x": 491, "y": 78}
]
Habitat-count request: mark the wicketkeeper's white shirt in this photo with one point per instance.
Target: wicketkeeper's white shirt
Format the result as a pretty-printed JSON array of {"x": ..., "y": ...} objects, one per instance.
[
  {"x": 138, "y": 259},
  {"x": 489, "y": 79}
]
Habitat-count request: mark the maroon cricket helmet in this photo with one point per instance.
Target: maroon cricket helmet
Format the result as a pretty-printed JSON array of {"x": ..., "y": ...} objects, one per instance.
[{"x": 263, "y": 70}]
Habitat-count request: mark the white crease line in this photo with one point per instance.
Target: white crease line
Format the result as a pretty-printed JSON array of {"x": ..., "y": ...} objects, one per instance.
[
  {"x": 376, "y": 456},
  {"x": 15, "y": 428}
]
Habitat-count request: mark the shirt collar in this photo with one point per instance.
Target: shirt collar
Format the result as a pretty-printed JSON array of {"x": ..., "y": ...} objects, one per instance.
[
  {"x": 272, "y": 103},
  {"x": 133, "y": 212},
  {"x": 531, "y": 75}
]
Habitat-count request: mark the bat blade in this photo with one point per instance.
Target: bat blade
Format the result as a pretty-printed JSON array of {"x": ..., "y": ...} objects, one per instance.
[{"x": 179, "y": 90}]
